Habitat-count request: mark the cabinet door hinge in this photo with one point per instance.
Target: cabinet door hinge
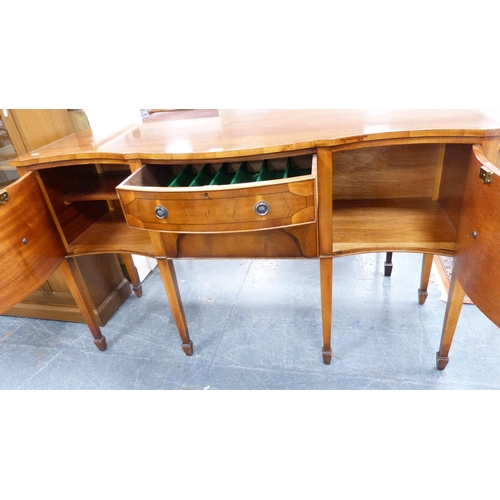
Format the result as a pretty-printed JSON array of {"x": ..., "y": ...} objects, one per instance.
[
  {"x": 4, "y": 196},
  {"x": 485, "y": 175}
]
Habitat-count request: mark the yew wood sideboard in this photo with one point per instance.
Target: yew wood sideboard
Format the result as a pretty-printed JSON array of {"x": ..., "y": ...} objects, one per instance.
[{"x": 297, "y": 184}]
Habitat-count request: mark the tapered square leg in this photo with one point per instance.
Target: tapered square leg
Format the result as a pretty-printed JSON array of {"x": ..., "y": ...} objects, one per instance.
[
  {"x": 188, "y": 348},
  {"x": 133, "y": 274},
  {"x": 169, "y": 278},
  {"x": 326, "y": 278},
  {"x": 388, "y": 264},
  {"x": 456, "y": 296},
  {"x": 425, "y": 277},
  {"x": 81, "y": 294},
  {"x": 101, "y": 343},
  {"x": 441, "y": 361}
]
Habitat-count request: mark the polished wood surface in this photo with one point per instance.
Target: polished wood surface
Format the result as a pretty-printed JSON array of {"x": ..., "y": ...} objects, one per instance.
[
  {"x": 454, "y": 304},
  {"x": 78, "y": 288},
  {"x": 383, "y": 181},
  {"x": 29, "y": 238},
  {"x": 290, "y": 242},
  {"x": 30, "y": 129},
  {"x": 168, "y": 276},
  {"x": 35, "y": 250},
  {"x": 223, "y": 209},
  {"x": 404, "y": 171},
  {"x": 411, "y": 224},
  {"x": 110, "y": 234},
  {"x": 235, "y": 133},
  {"x": 478, "y": 249},
  {"x": 425, "y": 277}
]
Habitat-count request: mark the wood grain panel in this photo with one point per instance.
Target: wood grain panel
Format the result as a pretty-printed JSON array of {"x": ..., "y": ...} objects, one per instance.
[
  {"x": 292, "y": 242},
  {"x": 238, "y": 133},
  {"x": 31, "y": 249},
  {"x": 478, "y": 253},
  {"x": 385, "y": 172},
  {"x": 111, "y": 234},
  {"x": 453, "y": 178},
  {"x": 411, "y": 224},
  {"x": 221, "y": 208},
  {"x": 75, "y": 218}
]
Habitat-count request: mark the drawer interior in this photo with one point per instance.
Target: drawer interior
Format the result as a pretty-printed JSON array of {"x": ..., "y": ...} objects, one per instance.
[{"x": 216, "y": 174}]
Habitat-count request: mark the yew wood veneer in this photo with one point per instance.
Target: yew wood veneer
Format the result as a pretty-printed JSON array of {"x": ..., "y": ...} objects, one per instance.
[
  {"x": 316, "y": 184},
  {"x": 32, "y": 250}
]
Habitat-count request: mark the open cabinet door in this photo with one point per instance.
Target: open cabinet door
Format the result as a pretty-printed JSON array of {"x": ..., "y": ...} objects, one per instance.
[
  {"x": 31, "y": 250},
  {"x": 31, "y": 246},
  {"x": 476, "y": 266},
  {"x": 477, "y": 260}
]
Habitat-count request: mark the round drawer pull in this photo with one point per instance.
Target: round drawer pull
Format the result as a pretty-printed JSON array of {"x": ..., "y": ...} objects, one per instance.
[
  {"x": 262, "y": 208},
  {"x": 161, "y": 212}
]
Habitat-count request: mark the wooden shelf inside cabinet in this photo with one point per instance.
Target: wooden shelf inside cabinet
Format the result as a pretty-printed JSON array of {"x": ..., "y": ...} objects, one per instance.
[
  {"x": 399, "y": 224},
  {"x": 111, "y": 234},
  {"x": 101, "y": 187}
]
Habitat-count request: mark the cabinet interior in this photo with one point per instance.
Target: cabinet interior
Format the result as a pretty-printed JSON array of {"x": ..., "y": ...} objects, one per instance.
[
  {"x": 398, "y": 197},
  {"x": 88, "y": 213},
  {"x": 221, "y": 173}
]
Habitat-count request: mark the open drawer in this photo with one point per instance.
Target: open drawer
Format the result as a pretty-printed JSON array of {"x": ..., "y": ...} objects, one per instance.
[{"x": 221, "y": 197}]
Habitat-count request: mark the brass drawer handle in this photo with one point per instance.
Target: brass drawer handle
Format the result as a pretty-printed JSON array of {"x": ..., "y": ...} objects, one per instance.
[
  {"x": 262, "y": 208},
  {"x": 161, "y": 212}
]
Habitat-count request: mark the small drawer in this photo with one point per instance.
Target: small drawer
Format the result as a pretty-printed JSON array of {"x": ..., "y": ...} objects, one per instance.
[{"x": 223, "y": 197}]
